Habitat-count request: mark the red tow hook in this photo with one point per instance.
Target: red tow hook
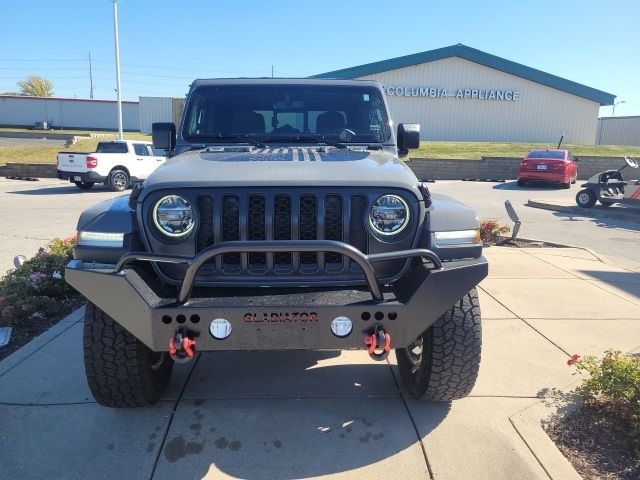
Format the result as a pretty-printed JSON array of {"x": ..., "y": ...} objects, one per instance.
[
  {"x": 378, "y": 343},
  {"x": 181, "y": 347}
]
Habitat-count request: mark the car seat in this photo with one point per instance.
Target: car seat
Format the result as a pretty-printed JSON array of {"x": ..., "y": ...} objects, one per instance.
[
  {"x": 330, "y": 123},
  {"x": 248, "y": 122}
]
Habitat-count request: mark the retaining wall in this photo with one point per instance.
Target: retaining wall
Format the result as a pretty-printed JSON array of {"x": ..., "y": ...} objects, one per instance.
[
  {"x": 502, "y": 168},
  {"x": 489, "y": 168}
]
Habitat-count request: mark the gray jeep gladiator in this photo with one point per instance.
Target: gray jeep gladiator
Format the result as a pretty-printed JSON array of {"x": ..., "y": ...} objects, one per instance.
[{"x": 283, "y": 219}]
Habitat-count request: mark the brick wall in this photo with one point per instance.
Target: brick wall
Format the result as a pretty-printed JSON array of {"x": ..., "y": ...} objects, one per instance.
[
  {"x": 502, "y": 168},
  {"x": 489, "y": 168}
]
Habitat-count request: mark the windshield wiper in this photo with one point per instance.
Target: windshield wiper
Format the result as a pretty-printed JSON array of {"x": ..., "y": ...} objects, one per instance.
[
  {"x": 319, "y": 139},
  {"x": 243, "y": 138}
]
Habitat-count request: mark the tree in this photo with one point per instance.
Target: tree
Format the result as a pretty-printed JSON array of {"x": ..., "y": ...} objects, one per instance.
[{"x": 35, "y": 86}]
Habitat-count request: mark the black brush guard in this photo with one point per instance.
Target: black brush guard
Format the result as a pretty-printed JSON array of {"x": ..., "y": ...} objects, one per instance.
[{"x": 274, "y": 318}]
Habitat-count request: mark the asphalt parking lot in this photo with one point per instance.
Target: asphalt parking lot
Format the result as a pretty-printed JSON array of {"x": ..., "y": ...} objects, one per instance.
[
  {"x": 35, "y": 212},
  {"x": 30, "y": 142}
]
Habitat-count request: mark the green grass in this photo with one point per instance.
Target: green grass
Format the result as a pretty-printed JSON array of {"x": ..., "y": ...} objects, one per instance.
[
  {"x": 454, "y": 150},
  {"x": 48, "y": 154},
  {"x": 477, "y": 150}
]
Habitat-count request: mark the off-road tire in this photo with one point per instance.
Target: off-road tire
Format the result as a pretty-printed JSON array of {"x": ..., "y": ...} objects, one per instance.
[
  {"x": 121, "y": 370},
  {"x": 84, "y": 185},
  {"x": 448, "y": 367},
  {"x": 118, "y": 180}
]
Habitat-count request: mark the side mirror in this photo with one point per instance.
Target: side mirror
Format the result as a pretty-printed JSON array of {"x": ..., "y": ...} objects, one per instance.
[
  {"x": 408, "y": 136},
  {"x": 163, "y": 135}
]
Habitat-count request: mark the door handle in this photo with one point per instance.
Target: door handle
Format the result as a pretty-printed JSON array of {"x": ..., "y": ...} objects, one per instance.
[{"x": 140, "y": 159}]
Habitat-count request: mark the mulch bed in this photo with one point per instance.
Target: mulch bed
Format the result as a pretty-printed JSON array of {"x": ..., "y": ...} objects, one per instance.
[
  {"x": 597, "y": 443},
  {"x": 24, "y": 331},
  {"x": 522, "y": 243}
]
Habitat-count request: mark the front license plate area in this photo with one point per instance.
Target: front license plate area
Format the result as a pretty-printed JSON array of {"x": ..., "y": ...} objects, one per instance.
[{"x": 77, "y": 179}]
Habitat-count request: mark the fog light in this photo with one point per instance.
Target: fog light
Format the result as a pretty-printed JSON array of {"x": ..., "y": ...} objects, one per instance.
[
  {"x": 341, "y": 326},
  {"x": 220, "y": 328}
]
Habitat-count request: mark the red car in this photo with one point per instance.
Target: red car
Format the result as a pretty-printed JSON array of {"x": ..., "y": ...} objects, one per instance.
[{"x": 549, "y": 165}]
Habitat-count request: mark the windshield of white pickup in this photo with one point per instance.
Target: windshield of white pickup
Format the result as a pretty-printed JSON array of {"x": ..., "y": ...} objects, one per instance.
[{"x": 281, "y": 113}]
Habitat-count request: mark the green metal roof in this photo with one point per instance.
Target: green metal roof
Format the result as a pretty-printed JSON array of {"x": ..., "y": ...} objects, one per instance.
[{"x": 476, "y": 56}]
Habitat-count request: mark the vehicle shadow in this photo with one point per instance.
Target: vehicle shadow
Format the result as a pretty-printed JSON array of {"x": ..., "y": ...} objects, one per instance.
[
  {"x": 628, "y": 282},
  {"x": 607, "y": 220},
  {"x": 295, "y": 414},
  {"x": 529, "y": 186}
]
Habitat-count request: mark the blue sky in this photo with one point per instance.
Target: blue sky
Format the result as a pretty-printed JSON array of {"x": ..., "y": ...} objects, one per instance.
[{"x": 165, "y": 44}]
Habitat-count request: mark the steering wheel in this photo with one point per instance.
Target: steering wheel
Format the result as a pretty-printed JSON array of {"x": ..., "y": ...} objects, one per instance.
[{"x": 631, "y": 162}]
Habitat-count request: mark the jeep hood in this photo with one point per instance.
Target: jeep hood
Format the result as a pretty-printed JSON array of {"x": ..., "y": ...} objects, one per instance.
[{"x": 307, "y": 166}]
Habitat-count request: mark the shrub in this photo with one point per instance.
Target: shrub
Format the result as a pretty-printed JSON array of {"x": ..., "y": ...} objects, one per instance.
[
  {"x": 490, "y": 230},
  {"x": 613, "y": 381},
  {"x": 37, "y": 288}
]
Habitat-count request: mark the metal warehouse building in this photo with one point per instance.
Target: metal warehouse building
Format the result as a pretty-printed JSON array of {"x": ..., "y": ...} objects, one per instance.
[
  {"x": 458, "y": 93},
  {"x": 19, "y": 111}
]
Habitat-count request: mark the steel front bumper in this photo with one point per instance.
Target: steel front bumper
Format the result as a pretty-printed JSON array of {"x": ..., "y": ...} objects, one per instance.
[{"x": 278, "y": 319}]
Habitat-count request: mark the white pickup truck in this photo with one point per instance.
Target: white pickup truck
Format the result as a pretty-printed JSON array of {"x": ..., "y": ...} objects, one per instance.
[{"x": 115, "y": 163}]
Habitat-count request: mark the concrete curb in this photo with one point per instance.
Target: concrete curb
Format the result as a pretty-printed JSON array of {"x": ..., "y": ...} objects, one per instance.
[
  {"x": 40, "y": 341},
  {"x": 585, "y": 212},
  {"x": 529, "y": 424}
]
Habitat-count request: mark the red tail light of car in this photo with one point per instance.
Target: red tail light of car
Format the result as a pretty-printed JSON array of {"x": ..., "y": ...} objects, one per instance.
[{"x": 92, "y": 162}]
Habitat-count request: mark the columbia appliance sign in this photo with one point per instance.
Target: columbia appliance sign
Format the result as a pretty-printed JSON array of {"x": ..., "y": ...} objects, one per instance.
[{"x": 460, "y": 93}]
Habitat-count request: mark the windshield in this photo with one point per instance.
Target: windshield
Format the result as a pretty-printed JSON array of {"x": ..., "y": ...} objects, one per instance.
[
  {"x": 348, "y": 114},
  {"x": 557, "y": 154}
]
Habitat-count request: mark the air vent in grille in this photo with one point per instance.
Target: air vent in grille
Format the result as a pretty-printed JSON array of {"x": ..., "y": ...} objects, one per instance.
[
  {"x": 231, "y": 227},
  {"x": 282, "y": 228},
  {"x": 308, "y": 226},
  {"x": 256, "y": 229},
  {"x": 333, "y": 224},
  {"x": 357, "y": 229}
]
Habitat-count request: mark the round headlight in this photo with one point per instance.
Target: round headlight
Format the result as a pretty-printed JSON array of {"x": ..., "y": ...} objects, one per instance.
[
  {"x": 173, "y": 216},
  {"x": 389, "y": 215}
]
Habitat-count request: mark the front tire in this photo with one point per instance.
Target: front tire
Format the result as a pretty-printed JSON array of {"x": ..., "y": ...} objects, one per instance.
[
  {"x": 118, "y": 180},
  {"x": 121, "y": 370},
  {"x": 442, "y": 364},
  {"x": 586, "y": 198},
  {"x": 84, "y": 185},
  {"x": 521, "y": 183}
]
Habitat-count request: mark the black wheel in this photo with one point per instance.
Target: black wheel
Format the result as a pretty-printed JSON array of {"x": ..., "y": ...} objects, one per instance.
[
  {"x": 566, "y": 185},
  {"x": 84, "y": 185},
  {"x": 521, "y": 183},
  {"x": 586, "y": 198},
  {"x": 605, "y": 203},
  {"x": 442, "y": 364},
  {"x": 118, "y": 180},
  {"x": 121, "y": 370}
]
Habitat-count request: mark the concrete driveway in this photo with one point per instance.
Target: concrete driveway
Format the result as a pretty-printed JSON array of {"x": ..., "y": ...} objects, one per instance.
[
  {"x": 613, "y": 237},
  {"x": 276, "y": 415}
]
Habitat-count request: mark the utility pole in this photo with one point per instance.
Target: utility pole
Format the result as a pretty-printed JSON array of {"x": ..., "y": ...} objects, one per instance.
[
  {"x": 271, "y": 71},
  {"x": 90, "y": 79},
  {"x": 118, "y": 90}
]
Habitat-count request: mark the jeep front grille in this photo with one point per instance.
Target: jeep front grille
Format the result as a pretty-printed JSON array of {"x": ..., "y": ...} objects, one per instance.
[{"x": 281, "y": 216}]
